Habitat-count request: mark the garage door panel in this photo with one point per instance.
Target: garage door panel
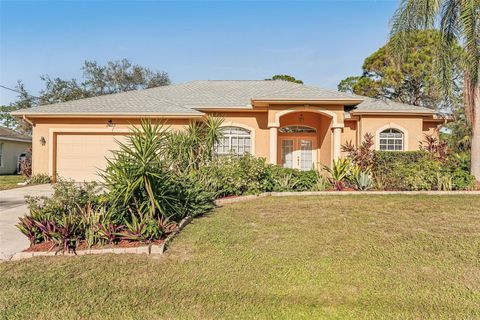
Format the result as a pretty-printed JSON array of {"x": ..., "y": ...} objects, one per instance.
[{"x": 81, "y": 156}]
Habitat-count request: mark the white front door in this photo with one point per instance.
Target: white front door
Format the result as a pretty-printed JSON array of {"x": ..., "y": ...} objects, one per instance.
[{"x": 297, "y": 153}]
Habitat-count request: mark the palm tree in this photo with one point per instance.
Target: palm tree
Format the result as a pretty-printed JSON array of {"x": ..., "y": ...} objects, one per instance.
[{"x": 458, "y": 21}]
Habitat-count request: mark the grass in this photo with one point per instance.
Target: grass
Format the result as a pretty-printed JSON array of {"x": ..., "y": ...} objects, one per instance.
[
  {"x": 10, "y": 181},
  {"x": 335, "y": 257}
]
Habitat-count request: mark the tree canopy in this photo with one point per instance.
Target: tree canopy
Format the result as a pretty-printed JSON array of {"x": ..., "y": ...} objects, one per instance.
[
  {"x": 458, "y": 21},
  {"x": 285, "y": 77},
  {"x": 413, "y": 80},
  {"x": 113, "y": 77}
]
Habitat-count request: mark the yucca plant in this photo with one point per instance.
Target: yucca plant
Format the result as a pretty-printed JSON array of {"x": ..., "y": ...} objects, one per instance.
[
  {"x": 339, "y": 173},
  {"x": 136, "y": 175},
  {"x": 189, "y": 149}
]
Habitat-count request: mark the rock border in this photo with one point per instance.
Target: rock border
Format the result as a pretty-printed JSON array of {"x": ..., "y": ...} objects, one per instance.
[
  {"x": 229, "y": 200},
  {"x": 150, "y": 249}
]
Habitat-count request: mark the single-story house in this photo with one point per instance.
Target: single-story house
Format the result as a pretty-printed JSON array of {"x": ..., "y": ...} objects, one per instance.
[
  {"x": 289, "y": 124},
  {"x": 14, "y": 146}
]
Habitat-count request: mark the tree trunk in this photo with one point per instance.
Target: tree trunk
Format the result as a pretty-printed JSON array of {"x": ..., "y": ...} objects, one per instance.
[{"x": 475, "y": 168}]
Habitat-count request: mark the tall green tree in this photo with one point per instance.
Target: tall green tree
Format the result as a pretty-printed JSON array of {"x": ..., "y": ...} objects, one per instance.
[
  {"x": 457, "y": 21},
  {"x": 24, "y": 100},
  {"x": 285, "y": 77},
  {"x": 414, "y": 79},
  {"x": 113, "y": 77}
]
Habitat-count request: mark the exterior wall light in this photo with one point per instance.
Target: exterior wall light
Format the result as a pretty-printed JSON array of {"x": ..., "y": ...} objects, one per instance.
[
  {"x": 43, "y": 141},
  {"x": 110, "y": 123}
]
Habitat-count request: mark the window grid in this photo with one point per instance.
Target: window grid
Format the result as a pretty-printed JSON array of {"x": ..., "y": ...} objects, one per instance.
[
  {"x": 287, "y": 153},
  {"x": 297, "y": 129},
  {"x": 391, "y": 140},
  {"x": 234, "y": 140},
  {"x": 306, "y": 155}
]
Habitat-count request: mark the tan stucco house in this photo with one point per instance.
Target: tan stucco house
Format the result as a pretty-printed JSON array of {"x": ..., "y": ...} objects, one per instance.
[
  {"x": 289, "y": 124},
  {"x": 14, "y": 146}
]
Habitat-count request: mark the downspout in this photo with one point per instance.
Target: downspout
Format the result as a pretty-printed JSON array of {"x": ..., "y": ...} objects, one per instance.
[{"x": 24, "y": 118}]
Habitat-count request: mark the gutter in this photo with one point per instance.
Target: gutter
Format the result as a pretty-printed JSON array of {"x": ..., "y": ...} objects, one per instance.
[
  {"x": 15, "y": 139},
  {"x": 105, "y": 115},
  {"x": 395, "y": 112}
]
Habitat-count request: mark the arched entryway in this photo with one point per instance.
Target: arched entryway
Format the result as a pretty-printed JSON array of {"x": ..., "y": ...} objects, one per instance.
[{"x": 304, "y": 140}]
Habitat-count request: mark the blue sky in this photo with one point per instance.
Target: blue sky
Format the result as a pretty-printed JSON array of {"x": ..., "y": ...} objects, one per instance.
[{"x": 320, "y": 42}]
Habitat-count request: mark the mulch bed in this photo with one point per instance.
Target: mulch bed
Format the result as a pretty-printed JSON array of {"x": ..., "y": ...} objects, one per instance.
[{"x": 50, "y": 246}]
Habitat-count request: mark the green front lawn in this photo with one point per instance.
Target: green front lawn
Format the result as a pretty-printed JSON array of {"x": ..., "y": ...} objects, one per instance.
[
  {"x": 370, "y": 257},
  {"x": 10, "y": 181}
]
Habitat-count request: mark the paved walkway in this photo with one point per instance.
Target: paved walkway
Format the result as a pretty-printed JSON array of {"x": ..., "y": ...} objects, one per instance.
[{"x": 12, "y": 206}]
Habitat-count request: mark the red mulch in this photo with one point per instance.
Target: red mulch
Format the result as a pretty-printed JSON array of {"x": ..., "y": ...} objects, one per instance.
[{"x": 46, "y": 246}]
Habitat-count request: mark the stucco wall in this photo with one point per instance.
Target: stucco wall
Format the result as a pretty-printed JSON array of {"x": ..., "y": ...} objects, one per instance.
[
  {"x": 10, "y": 152},
  {"x": 412, "y": 127},
  {"x": 258, "y": 122},
  {"x": 349, "y": 132}
]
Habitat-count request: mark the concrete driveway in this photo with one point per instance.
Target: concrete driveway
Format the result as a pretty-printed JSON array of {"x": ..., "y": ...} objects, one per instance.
[{"x": 12, "y": 206}]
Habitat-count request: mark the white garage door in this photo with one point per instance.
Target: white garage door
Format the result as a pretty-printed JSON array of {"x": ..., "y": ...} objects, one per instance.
[{"x": 80, "y": 156}]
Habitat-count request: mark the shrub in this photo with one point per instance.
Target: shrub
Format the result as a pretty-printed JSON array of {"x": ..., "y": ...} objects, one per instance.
[
  {"x": 286, "y": 179},
  {"x": 41, "y": 178},
  {"x": 60, "y": 217},
  {"x": 246, "y": 174},
  {"x": 26, "y": 167},
  {"x": 418, "y": 170}
]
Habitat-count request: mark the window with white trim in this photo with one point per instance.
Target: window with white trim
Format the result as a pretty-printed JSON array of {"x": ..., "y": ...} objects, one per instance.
[
  {"x": 234, "y": 140},
  {"x": 391, "y": 140}
]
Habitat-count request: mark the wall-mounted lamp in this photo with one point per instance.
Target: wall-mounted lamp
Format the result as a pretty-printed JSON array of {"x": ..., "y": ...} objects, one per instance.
[
  {"x": 110, "y": 123},
  {"x": 43, "y": 141},
  {"x": 300, "y": 118}
]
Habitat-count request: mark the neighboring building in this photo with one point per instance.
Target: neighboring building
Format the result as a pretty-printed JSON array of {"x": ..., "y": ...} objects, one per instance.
[
  {"x": 13, "y": 147},
  {"x": 289, "y": 124}
]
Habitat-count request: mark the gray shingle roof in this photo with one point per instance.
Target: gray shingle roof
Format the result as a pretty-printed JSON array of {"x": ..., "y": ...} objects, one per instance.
[
  {"x": 8, "y": 134},
  {"x": 377, "y": 105},
  {"x": 184, "y": 98}
]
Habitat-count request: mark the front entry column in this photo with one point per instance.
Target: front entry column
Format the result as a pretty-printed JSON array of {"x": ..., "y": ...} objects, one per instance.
[
  {"x": 273, "y": 145},
  {"x": 337, "y": 137}
]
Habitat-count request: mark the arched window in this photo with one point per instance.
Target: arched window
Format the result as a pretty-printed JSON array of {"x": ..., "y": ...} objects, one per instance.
[
  {"x": 391, "y": 140},
  {"x": 235, "y": 140},
  {"x": 297, "y": 129}
]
